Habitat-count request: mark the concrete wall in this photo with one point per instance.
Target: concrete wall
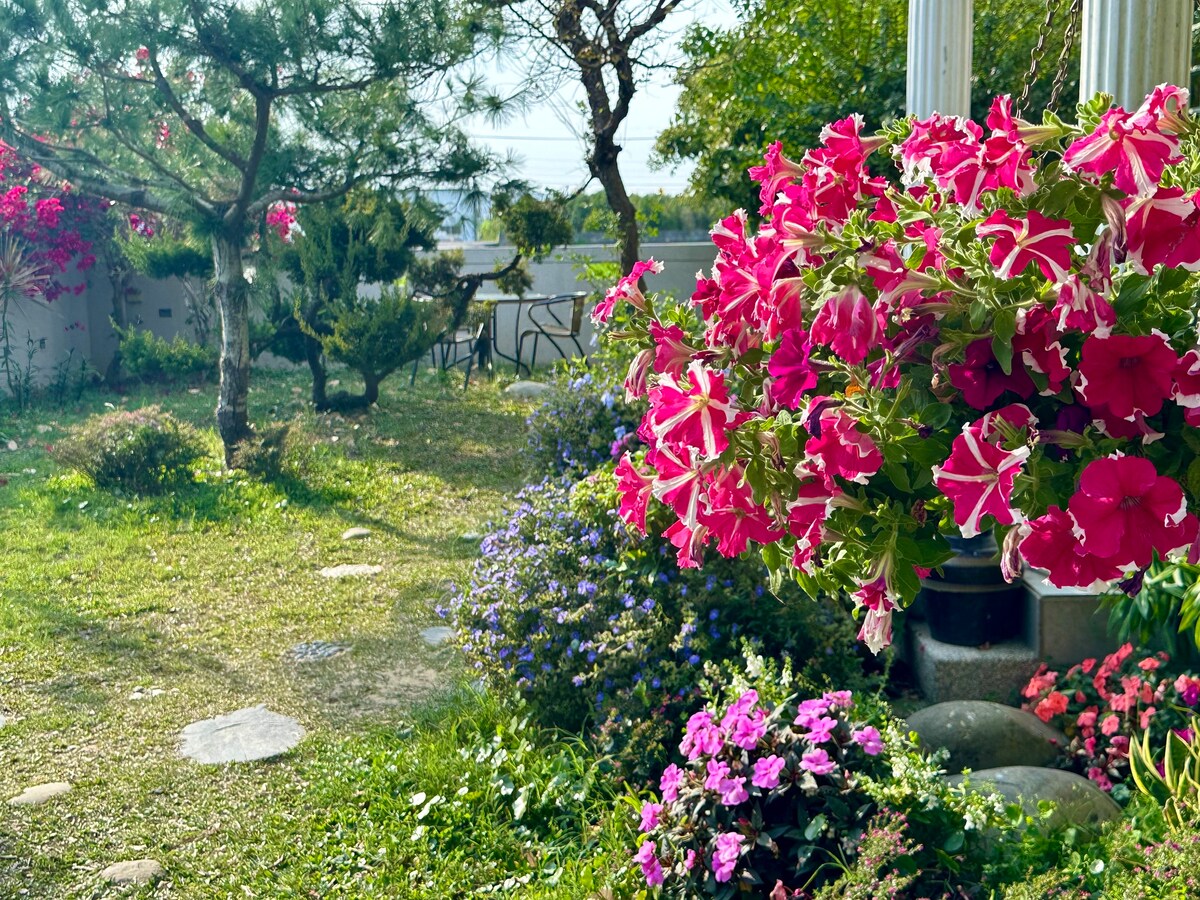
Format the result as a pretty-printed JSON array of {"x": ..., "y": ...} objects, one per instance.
[{"x": 81, "y": 322}]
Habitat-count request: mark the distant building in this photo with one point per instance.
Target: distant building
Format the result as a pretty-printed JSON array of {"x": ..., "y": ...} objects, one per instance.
[{"x": 464, "y": 213}]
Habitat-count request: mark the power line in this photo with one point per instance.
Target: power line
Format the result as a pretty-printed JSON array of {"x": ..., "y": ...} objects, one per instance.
[{"x": 538, "y": 137}]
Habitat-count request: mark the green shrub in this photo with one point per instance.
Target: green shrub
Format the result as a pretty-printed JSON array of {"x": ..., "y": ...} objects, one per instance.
[
  {"x": 264, "y": 453},
  {"x": 144, "y": 450},
  {"x": 147, "y": 357}
]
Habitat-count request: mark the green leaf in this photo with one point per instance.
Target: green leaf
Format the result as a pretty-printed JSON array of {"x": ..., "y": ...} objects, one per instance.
[
  {"x": 1004, "y": 327},
  {"x": 815, "y": 827},
  {"x": 954, "y": 842}
]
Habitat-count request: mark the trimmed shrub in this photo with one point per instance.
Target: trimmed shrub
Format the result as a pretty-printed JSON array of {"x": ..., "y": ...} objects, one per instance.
[
  {"x": 147, "y": 357},
  {"x": 145, "y": 451},
  {"x": 264, "y": 453}
]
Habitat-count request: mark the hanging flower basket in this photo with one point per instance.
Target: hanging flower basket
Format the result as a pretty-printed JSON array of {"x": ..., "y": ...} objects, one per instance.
[{"x": 1001, "y": 334}]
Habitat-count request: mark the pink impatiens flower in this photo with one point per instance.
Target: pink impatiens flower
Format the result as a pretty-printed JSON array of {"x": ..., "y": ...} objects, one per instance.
[
  {"x": 978, "y": 478},
  {"x": 650, "y": 813},
  {"x": 766, "y": 772},
  {"x": 652, "y": 869},
  {"x": 668, "y": 784},
  {"x": 1126, "y": 511},
  {"x": 849, "y": 325},
  {"x": 1131, "y": 147},
  {"x": 869, "y": 739},
  {"x": 1127, "y": 373},
  {"x": 697, "y": 416},
  {"x": 1036, "y": 239},
  {"x": 725, "y": 856},
  {"x": 818, "y": 762}
]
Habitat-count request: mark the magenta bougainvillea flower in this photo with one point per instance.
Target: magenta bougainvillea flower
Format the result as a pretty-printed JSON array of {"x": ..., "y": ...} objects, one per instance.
[
  {"x": 1129, "y": 146},
  {"x": 849, "y": 325},
  {"x": 978, "y": 478},
  {"x": 1127, "y": 373},
  {"x": 1034, "y": 239},
  {"x": 1125, "y": 510}
]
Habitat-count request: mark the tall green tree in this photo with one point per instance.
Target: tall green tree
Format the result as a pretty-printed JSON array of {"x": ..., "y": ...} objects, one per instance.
[
  {"x": 606, "y": 46},
  {"x": 213, "y": 112},
  {"x": 791, "y": 66}
]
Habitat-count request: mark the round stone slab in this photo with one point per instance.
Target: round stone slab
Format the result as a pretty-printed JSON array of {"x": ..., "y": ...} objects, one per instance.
[
  {"x": 242, "y": 736},
  {"x": 356, "y": 534},
  {"x": 39, "y": 794},
  {"x": 316, "y": 651},
  {"x": 1076, "y": 800},
  {"x": 134, "y": 871},
  {"x": 527, "y": 390},
  {"x": 984, "y": 735},
  {"x": 350, "y": 570},
  {"x": 436, "y": 635}
]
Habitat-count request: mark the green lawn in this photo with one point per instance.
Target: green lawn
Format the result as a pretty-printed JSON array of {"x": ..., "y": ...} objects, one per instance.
[{"x": 199, "y": 595}]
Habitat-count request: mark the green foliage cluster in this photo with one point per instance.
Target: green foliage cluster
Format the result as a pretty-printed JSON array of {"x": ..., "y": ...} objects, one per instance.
[
  {"x": 148, "y": 357},
  {"x": 265, "y": 453},
  {"x": 787, "y": 69},
  {"x": 660, "y": 215},
  {"x": 143, "y": 451}
]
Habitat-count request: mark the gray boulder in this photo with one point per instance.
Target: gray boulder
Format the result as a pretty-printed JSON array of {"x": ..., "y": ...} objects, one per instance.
[
  {"x": 984, "y": 735},
  {"x": 1076, "y": 800}
]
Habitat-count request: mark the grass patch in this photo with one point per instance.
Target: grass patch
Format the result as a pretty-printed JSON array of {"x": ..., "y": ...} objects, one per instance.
[{"x": 198, "y": 594}]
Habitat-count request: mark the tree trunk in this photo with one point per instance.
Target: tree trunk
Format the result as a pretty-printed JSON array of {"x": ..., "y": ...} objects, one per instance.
[
  {"x": 316, "y": 366},
  {"x": 232, "y": 298},
  {"x": 604, "y": 167},
  {"x": 119, "y": 275}
]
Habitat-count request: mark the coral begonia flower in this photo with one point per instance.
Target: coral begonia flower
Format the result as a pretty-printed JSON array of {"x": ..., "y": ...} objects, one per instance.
[
  {"x": 1036, "y": 239},
  {"x": 1163, "y": 229},
  {"x": 1050, "y": 543},
  {"x": 978, "y": 479},
  {"x": 634, "y": 490},
  {"x": 1135, "y": 153},
  {"x": 793, "y": 375},
  {"x": 841, "y": 449},
  {"x": 981, "y": 379},
  {"x": 698, "y": 416},
  {"x": 1125, "y": 511},
  {"x": 849, "y": 325},
  {"x": 1127, "y": 373}
]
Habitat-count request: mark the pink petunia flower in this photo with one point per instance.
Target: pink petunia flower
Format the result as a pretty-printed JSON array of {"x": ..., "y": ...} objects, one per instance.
[
  {"x": 626, "y": 289},
  {"x": 633, "y": 487},
  {"x": 793, "y": 376},
  {"x": 1034, "y": 239},
  {"x": 698, "y": 416},
  {"x": 978, "y": 478},
  {"x": 1126, "y": 511},
  {"x": 1163, "y": 229},
  {"x": 849, "y": 325},
  {"x": 1049, "y": 543},
  {"x": 838, "y": 447},
  {"x": 1130, "y": 147},
  {"x": 982, "y": 380},
  {"x": 672, "y": 353},
  {"x": 1127, "y": 373}
]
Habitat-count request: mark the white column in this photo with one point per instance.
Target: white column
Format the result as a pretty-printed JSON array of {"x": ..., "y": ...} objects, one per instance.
[
  {"x": 1129, "y": 46},
  {"x": 939, "y": 56}
]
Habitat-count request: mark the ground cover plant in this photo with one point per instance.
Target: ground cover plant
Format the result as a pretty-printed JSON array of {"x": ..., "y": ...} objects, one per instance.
[{"x": 108, "y": 599}]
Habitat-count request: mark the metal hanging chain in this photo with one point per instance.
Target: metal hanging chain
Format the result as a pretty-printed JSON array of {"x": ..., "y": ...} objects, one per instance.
[
  {"x": 1064, "y": 58},
  {"x": 1035, "y": 56}
]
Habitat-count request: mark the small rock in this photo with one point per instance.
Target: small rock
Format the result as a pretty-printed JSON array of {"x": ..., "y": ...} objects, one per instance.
[
  {"x": 3, "y": 720},
  {"x": 984, "y": 735},
  {"x": 437, "y": 635},
  {"x": 39, "y": 794},
  {"x": 470, "y": 538},
  {"x": 350, "y": 570},
  {"x": 44, "y": 429},
  {"x": 316, "y": 651},
  {"x": 243, "y": 736},
  {"x": 356, "y": 534},
  {"x": 527, "y": 390},
  {"x": 134, "y": 871},
  {"x": 1076, "y": 800}
]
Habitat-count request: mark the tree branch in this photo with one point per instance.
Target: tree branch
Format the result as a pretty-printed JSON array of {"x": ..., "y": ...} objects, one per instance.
[{"x": 194, "y": 125}]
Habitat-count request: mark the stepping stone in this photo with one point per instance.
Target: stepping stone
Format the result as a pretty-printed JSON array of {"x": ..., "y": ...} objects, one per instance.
[
  {"x": 3, "y": 721},
  {"x": 134, "y": 871},
  {"x": 1077, "y": 801},
  {"x": 316, "y": 651},
  {"x": 356, "y": 534},
  {"x": 350, "y": 570},
  {"x": 471, "y": 537},
  {"x": 437, "y": 635},
  {"x": 243, "y": 736},
  {"x": 527, "y": 390},
  {"x": 39, "y": 794},
  {"x": 984, "y": 735}
]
